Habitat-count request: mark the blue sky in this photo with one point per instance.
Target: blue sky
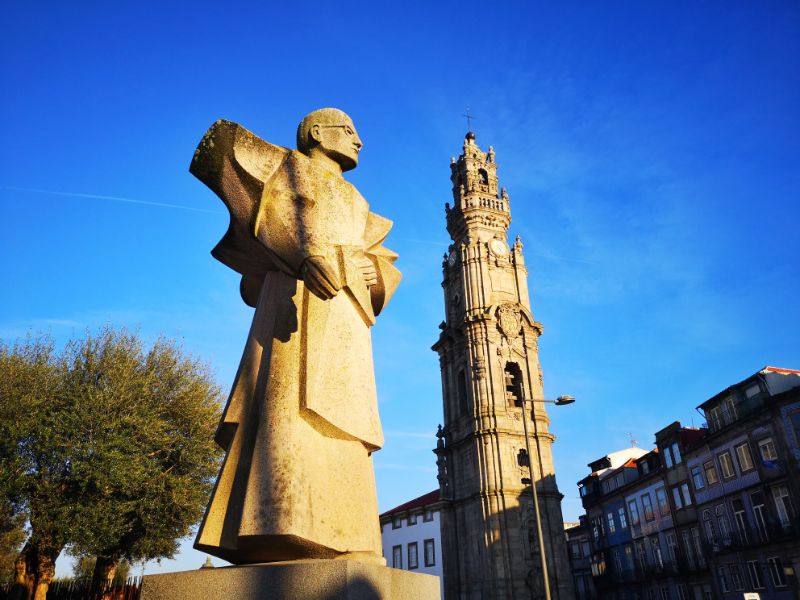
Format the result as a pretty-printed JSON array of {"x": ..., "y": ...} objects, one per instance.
[{"x": 650, "y": 152}]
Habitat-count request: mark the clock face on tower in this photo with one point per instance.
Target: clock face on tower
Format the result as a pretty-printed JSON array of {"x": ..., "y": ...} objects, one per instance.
[{"x": 498, "y": 247}]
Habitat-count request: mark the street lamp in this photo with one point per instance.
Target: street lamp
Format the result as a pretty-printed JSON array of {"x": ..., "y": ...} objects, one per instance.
[{"x": 560, "y": 401}]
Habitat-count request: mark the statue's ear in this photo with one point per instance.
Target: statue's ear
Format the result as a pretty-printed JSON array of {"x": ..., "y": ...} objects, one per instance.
[{"x": 316, "y": 133}]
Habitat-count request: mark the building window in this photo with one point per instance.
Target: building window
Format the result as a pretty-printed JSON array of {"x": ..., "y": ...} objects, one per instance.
[
  {"x": 645, "y": 466},
  {"x": 617, "y": 562},
  {"x": 672, "y": 547},
  {"x": 587, "y": 549},
  {"x": 412, "y": 556},
  {"x": 711, "y": 472},
  {"x": 741, "y": 521},
  {"x": 629, "y": 557},
  {"x": 722, "y": 579},
  {"x": 665, "y": 593},
  {"x": 676, "y": 453},
  {"x": 647, "y": 505},
  {"x": 698, "y": 547},
  {"x": 427, "y": 516},
  {"x": 726, "y": 465},
  {"x": 657, "y": 558},
  {"x": 641, "y": 553},
  {"x": 752, "y": 390},
  {"x": 767, "y": 449},
  {"x": 780, "y": 493},
  {"x": 744, "y": 456},
  {"x": 633, "y": 509},
  {"x": 397, "y": 557},
  {"x": 708, "y": 594},
  {"x": 663, "y": 503},
  {"x": 676, "y": 497},
  {"x": 755, "y": 574},
  {"x": 397, "y": 522},
  {"x": 667, "y": 457},
  {"x": 611, "y": 527},
  {"x": 622, "y": 521},
  {"x": 430, "y": 554},
  {"x": 687, "y": 496},
  {"x": 687, "y": 548},
  {"x": 683, "y": 592},
  {"x": 412, "y": 518},
  {"x": 714, "y": 418},
  {"x": 776, "y": 572},
  {"x": 697, "y": 478},
  {"x": 730, "y": 409},
  {"x": 575, "y": 550},
  {"x": 463, "y": 402},
  {"x": 736, "y": 577},
  {"x": 708, "y": 526},
  {"x": 722, "y": 523},
  {"x": 513, "y": 378},
  {"x": 757, "y": 502}
]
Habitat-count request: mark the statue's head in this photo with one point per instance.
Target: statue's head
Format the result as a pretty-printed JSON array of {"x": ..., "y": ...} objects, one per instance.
[{"x": 331, "y": 132}]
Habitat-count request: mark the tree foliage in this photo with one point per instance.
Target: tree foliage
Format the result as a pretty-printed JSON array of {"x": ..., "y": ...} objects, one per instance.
[{"x": 109, "y": 446}]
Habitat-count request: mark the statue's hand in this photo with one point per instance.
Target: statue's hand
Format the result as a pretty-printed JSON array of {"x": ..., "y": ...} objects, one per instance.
[
  {"x": 368, "y": 271},
  {"x": 320, "y": 278}
]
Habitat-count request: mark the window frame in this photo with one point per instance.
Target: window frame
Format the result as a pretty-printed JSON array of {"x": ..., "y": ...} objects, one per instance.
[
  {"x": 397, "y": 522},
  {"x": 754, "y": 570},
  {"x": 429, "y": 543},
  {"x": 696, "y": 473},
  {"x": 412, "y": 519},
  {"x": 663, "y": 507},
  {"x": 633, "y": 511},
  {"x": 397, "y": 553},
  {"x": 767, "y": 442},
  {"x": 612, "y": 528},
  {"x": 710, "y": 466},
  {"x": 775, "y": 567},
  {"x": 623, "y": 521},
  {"x": 415, "y": 564},
  {"x": 729, "y": 461},
  {"x": 744, "y": 446},
  {"x": 645, "y": 506}
]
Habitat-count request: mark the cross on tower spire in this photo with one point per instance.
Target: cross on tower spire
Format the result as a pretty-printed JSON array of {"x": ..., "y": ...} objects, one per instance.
[{"x": 470, "y": 118}]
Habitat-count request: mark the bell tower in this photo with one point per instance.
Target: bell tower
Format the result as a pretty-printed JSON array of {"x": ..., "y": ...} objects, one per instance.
[{"x": 488, "y": 354}]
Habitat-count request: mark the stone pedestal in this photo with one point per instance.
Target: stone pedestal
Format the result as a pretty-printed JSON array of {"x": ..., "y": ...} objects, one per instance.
[{"x": 294, "y": 580}]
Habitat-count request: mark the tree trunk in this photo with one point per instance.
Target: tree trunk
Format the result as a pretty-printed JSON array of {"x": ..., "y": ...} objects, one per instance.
[
  {"x": 103, "y": 575},
  {"x": 45, "y": 570}
]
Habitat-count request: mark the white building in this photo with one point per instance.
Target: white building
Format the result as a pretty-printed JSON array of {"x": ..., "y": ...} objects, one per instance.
[{"x": 411, "y": 536}]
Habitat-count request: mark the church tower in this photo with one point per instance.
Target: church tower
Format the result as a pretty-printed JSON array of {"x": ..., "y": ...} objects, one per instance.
[{"x": 488, "y": 353}]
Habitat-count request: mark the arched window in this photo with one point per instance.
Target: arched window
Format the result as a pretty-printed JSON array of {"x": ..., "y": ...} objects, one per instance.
[
  {"x": 463, "y": 403},
  {"x": 513, "y": 381},
  {"x": 483, "y": 176}
]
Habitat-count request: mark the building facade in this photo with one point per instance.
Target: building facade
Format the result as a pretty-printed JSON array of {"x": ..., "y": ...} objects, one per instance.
[
  {"x": 411, "y": 536},
  {"x": 710, "y": 512},
  {"x": 488, "y": 352}
]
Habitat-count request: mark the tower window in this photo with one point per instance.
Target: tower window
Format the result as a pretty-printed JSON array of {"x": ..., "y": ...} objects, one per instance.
[
  {"x": 513, "y": 381},
  {"x": 483, "y": 176},
  {"x": 462, "y": 392}
]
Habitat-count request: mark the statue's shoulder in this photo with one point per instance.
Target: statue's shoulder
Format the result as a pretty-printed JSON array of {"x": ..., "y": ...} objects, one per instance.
[{"x": 228, "y": 142}]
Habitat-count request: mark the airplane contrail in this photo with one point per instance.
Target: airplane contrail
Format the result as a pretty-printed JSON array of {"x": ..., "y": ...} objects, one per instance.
[{"x": 115, "y": 198}]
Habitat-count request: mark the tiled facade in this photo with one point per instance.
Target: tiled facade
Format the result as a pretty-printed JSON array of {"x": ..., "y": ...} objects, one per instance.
[{"x": 710, "y": 512}]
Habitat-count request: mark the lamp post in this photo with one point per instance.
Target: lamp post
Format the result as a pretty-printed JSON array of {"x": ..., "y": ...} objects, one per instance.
[{"x": 560, "y": 401}]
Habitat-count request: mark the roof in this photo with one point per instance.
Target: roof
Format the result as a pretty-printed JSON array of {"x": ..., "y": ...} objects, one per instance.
[
  {"x": 765, "y": 371},
  {"x": 421, "y": 502}
]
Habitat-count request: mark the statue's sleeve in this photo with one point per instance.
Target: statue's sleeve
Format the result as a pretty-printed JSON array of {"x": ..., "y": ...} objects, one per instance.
[
  {"x": 389, "y": 276},
  {"x": 237, "y": 166}
]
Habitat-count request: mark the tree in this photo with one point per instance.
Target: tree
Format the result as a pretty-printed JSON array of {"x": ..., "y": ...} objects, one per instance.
[{"x": 115, "y": 455}]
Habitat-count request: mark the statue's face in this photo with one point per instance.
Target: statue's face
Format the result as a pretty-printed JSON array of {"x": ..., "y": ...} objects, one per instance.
[{"x": 339, "y": 141}]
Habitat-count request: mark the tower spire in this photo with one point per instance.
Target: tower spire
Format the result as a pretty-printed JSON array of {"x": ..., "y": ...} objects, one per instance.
[{"x": 488, "y": 354}]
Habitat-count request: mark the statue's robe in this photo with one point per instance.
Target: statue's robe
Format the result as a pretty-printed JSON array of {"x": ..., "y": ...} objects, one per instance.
[{"x": 302, "y": 418}]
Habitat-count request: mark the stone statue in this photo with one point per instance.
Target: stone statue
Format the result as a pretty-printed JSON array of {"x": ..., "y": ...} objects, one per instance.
[{"x": 301, "y": 421}]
